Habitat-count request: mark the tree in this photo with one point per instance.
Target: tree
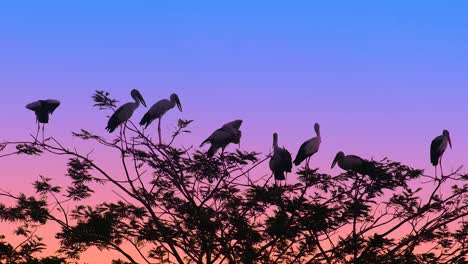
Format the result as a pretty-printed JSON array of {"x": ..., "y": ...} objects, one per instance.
[{"x": 176, "y": 205}]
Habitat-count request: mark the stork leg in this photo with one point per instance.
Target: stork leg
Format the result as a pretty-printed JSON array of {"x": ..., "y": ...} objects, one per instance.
[
  {"x": 435, "y": 171},
  {"x": 441, "y": 170},
  {"x": 159, "y": 131},
  {"x": 222, "y": 151},
  {"x": 125, "y": 134},
  {"x": 43, "y": 137},
  {"x": 307, "y": 161},
  {"x": 37, "y": 132},
  {"x": 121, "y": 136}
]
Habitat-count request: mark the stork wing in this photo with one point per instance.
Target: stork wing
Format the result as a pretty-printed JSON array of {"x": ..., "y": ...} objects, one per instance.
[
  {"x": 355, "y": 159},
  {"x": 435, "y": 153},
  {"x": 51, "y": 105},
  {"x": 236, "y": 124},
  {"x": 34, "y": 106},
  {"x": 286, "y": 160},
  {"x": 271, "y": 163},
  {"x": 220, "y": 136},
  {"x": 210, "y": 138},
  {"x": 160, "y": 108},
  {"x": 207, "y": 140},
  {"x": 114, "y": 120},
  {"x": 156, "y": 111},
  {"x": 301, "y": 153}
]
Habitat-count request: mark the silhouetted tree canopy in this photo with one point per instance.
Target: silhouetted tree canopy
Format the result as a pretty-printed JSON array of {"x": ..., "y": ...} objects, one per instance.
[{"x": 173, "y": 204}]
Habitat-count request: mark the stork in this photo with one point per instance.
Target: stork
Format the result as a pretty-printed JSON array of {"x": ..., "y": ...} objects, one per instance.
[
  {"x": 309, "y": 147},
  {"x": 43, "y": 109},
  {"x": 222, "y": 137},
  {"x": 438, "y": 147},
  {"x": 350, "y": 163},
  {"x": 280, "y": 162},
  {"x": 125, "y": 112},
  {"x": 158, "y": 110}
]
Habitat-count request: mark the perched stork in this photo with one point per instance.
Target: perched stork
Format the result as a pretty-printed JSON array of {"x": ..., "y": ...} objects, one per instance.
[
  {"x": 124, "y": 112},
  {"x": 309, "y": 148},
  {"x": 438, "y": 147},
  {"x": 158, "y": 110},
  {"x": 280, "y": 162},
  {"x": 350, "y": 163},
  {"x": 42, "y": 109},
  {"x": 222, "y": 137}
]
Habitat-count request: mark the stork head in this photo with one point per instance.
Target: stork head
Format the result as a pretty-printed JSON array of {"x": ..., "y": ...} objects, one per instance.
[
  {"x": 275, "y": 139},
  {"x": 317, "y": 128},
  {"x": 339, "y": 156},
  {"x": 447, "y": 135},
  {"x": 137, "y": 96},
  {"x": 175, "y": 99}
]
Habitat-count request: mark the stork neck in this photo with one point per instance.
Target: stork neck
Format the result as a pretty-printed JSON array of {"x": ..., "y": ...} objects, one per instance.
[
  {"x": 173, "y": 103},
  {"x": 135, "y": 104},
  {"x": 445, "y": 139},
  {"x": 137, "y": 101},
  {"x": 317, "y": 132},
  {"x": 275, "y": 143}
]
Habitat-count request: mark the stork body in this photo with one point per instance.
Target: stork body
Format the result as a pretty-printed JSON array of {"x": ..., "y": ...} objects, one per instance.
[
  {"x": 158, "y": 110},
  {"x": 438, "y": 147},
  {"x": 309, "y": 147},
  {"x": 223, "y": 137},
  {"x": 350, "y": 163},
  {"x": 125, "y": 112},
  {"x": 43, "y": 109},
  {"x": 280, "y": 162}
]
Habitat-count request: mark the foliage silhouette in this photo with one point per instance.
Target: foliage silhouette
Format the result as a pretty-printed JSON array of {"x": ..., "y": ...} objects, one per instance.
[{"x": 176, "y": 205}]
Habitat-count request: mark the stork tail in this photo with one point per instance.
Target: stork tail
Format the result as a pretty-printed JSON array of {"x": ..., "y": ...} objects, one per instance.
[
  {"x": 279, "y": 175},
  {"x": 146, "y": 120},
  {"x": 211, "y": 151}
]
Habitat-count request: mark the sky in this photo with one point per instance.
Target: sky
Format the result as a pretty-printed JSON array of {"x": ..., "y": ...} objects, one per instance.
[{"x": 383, "y": 78}]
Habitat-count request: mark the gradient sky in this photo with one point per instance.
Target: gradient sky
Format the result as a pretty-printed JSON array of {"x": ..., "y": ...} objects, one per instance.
[{"x": 382, "y": 78}]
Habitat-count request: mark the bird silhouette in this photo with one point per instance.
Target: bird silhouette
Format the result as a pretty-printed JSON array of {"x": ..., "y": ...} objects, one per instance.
[
  {"x": 309, "y": 147},
  {"x": 280, "y": 161},
  {"x": 438, "y": 147},
  {"x": 125, "y": 112},
  {"x": 352, "y": 163},
  {"x": 228, "y": 133},
  {"x": 158, "y": 110},
  {"x": 43, "y": 109}
]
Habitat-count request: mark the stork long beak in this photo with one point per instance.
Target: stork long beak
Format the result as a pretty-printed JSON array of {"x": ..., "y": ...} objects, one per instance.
[
  {"x": 179, "y": 105},
  {"x": 450, "y": 142},
  {"x": 334, "y": 161},
  {"x": 140, "y": 98}
]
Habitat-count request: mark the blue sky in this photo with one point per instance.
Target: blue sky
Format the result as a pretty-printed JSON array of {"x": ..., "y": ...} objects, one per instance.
[{"x": 368, "y": 71}]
